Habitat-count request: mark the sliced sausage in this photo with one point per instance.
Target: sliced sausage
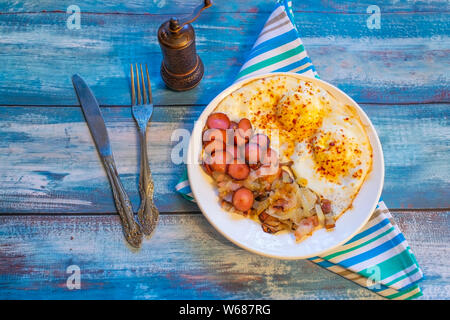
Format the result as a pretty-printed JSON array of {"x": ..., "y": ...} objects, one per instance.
[
  {"x": 233, "y": 125},
  {"x": 218, "y": 120},
  {"x": 214, "y": 134},
  {"x": 239, "y": 139},
  {"x": 261, "y": 139},
  {"x": 245, "y": 124},
  {"x": 213, "y": 146},
  {"x": 252, "y": 153},
  {"x": 245, "y": 134},
  {"x": 236, "y": 153},
  {"x": 207, "y": 168},
  {"x": 255, "y": 166},
  {"x": 219, "y": 161},
  {"x": 243, "y": 199},
  {"x": 238, "y": 171}
]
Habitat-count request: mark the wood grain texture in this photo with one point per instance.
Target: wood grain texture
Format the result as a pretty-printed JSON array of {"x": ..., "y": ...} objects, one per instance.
[
  {"x": 56, "y": 207},
  {"x": 185, "y": 7},
  {"x": 185, "y": 259},
  {"x": 50, "y": 164},
  {"x": 406, "y": 61}
]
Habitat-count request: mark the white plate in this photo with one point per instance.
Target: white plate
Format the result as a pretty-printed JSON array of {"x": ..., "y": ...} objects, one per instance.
[{"x": 247, "y": 233}]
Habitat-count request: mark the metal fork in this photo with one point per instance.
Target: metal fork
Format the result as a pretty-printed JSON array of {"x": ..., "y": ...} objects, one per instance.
[{"x": 142, "y": 111}]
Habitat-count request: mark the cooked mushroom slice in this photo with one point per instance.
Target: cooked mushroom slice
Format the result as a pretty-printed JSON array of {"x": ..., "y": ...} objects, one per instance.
[
  {"x": 270, "y": 224},
  {"x": 287, "y": 164}
]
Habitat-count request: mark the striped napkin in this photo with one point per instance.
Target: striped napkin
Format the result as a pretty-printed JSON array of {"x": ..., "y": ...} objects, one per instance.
[{"x": 378, "y": 257}]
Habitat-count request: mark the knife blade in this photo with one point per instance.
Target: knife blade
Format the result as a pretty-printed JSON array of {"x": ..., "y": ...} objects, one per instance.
[
  {"x": 97, "y": 127},
  {"x": 93, "y": 116}
]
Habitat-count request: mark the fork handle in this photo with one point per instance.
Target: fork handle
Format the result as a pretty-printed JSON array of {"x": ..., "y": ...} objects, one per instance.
[
  {"x": 148, "y": 214},
  {"x": 131, "y": 229}
]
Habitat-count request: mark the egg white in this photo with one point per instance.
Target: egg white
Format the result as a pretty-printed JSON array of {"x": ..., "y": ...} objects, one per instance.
[
  {"x": 342, "y": 190},
  {"x": 258, "y": 101}
]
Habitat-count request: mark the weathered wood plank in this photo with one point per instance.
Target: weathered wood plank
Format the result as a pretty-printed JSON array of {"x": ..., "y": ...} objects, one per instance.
[
  {"x": 53, "y": 158},
  {"x": 406, "y": 61},
  {"x": 49, "y": 162},
  {"x": 185, "y": 259},
  {"x": 184, "y": 7}
]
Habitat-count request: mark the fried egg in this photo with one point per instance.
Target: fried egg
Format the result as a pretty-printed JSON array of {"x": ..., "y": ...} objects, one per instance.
[
  {"x": 324, "y": 139},
  {"x": 336, "y": 159}
]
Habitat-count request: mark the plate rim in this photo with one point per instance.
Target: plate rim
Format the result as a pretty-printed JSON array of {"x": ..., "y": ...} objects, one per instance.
[{"x": 216, "y": 100}]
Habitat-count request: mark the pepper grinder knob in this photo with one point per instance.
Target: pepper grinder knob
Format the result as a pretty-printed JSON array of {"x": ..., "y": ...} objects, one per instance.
[
  {"x": 181, "y": 68},
  {"x": 174, "y": 24}
]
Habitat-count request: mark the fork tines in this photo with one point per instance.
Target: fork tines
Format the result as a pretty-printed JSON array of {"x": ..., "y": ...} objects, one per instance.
[{"x": 146, "y": 95}]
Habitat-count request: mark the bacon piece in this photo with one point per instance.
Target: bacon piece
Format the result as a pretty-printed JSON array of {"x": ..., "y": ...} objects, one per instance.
[
  {"x": 269, "y": 224},
  {"x": 314, "y": 220},
  {"x": 325, "y": 204},
  {"x": 304, "y": 228},
  {"x": 330, "y": 223}
]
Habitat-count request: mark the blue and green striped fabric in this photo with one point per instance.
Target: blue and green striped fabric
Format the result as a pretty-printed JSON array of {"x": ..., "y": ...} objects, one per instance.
[{"x": 378, "y": 257}]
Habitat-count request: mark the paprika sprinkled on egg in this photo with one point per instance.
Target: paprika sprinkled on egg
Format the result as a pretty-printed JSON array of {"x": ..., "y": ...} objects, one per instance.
[{"x": 324, "y": 139}]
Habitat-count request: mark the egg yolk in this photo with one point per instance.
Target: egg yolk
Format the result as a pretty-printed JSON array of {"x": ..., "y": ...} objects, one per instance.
[
  {"x": 334, "y": 154},
  {"x": 300, "y": 115}
]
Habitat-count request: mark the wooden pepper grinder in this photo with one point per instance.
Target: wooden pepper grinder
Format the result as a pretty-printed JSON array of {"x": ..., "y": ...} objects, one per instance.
[{"x": 181, "y": 68}]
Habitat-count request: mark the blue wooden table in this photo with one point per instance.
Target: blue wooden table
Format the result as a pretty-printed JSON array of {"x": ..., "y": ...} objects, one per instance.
[{"x": 56, "y": 208}]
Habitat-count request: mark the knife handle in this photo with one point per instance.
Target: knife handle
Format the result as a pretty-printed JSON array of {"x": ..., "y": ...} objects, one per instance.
[{"x": 130, "y": 227}]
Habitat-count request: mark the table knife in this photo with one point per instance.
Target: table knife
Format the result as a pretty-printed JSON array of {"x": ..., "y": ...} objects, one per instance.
[{"x": 97, "y": 127}]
